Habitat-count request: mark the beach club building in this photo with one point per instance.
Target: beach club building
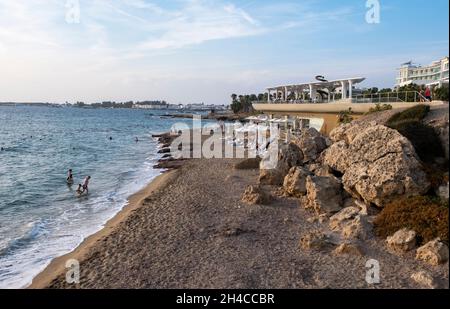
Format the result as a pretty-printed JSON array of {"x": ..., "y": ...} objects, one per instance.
[
  {"x": 321, "y": 103},
  {"x": 318, "y": 91}
]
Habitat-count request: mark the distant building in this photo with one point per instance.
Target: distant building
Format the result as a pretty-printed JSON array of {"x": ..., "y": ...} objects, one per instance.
[
  {"x": 204, "y": 107},
  {"x": 434, "y": 74},
  {"x": 151, "y": 105}
]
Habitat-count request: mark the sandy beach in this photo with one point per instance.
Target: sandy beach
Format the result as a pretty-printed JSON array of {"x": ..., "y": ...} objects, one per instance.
[{"x": 189, "y": 229}]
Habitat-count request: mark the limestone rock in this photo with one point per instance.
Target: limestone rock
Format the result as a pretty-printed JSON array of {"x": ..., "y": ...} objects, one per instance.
[
  {"x": 320, "y": 169},
  {"x": 402, "y": 241},
  {"x": 288, "y": 156},
  {"x": 315, "y": 240},
  {"x": 254, "y": 195},
  {"x": 311, "y": 143},
  {"x": 378, "y": 164},
  {"x": 434, "y": 252},
  {"x": 349, "y": 248},
  {"x": 324, "y": 194},
  {"x": 295, "y": 181},
  {"x": 338, "y": 220},
  {"x": 357, "y": 228},
  {"x": 425, "y": 279}
]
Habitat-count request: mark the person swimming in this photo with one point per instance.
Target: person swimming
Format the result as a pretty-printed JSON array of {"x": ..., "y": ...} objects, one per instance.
[{"x": 69, "y": 177}]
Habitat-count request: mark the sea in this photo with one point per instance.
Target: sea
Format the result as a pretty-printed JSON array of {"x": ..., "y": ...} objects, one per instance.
[{"x": 41, "y": 216}]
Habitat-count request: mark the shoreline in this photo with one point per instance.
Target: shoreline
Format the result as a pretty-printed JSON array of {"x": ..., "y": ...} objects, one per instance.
[{"x": 57, "y": 265}]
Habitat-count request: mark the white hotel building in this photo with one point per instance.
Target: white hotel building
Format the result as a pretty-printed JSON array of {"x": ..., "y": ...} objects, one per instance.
[{"x": 434, "y": 74}]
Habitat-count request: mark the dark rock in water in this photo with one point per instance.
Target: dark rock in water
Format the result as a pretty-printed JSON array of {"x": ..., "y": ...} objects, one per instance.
[
  {"x": 167, "y": 155},
  {"x": 169, "y": 164},
  {"x": 164, "y": 150}
]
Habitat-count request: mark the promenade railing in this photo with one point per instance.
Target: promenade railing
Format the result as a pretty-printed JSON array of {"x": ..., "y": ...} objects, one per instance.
[{"x": 382, "y": 97}]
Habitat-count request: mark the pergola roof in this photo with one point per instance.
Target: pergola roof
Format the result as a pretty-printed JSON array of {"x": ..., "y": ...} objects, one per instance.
[{"x": 318, "y": 84}]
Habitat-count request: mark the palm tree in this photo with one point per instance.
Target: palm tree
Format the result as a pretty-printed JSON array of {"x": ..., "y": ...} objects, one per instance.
[{"x": 233, "y": 97}]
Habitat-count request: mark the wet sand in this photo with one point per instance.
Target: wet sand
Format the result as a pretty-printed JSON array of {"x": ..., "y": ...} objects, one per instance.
[{"x": 189, "y": 229}]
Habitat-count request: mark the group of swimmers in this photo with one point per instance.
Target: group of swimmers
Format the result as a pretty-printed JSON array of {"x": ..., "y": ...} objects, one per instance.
[{"x": 82, "y": 188}]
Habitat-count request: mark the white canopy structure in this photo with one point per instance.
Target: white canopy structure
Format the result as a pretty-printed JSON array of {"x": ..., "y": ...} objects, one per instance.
[{"x": 313, "y": 88}]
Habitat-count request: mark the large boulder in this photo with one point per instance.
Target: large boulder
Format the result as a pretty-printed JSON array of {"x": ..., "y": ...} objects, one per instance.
[
  {"x": 255, "y": 195},
  {"x": 312, "y": 143},
  {"x": 434, "y": 252},
  {"x": 288, "y": 156},
  {"x": 324, "y": 194},
  {"x": 402, "y": 241},
  {"x": 378, "y": 164},
  {"x": 295, "y": 181}
]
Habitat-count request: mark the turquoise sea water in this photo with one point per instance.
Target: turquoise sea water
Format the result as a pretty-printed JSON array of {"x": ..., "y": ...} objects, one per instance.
[{"x": 40, "y": 215}]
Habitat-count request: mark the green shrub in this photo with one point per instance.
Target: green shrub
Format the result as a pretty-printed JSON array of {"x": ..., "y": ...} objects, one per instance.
[
  {"x": 426, "y": 216},
  {"x": 424, "y": 138},
  {"x": 379, "y": 108},
  {"x": 345, "y": 116},
  {"x": 441, "y": 93},
  {"x": 418, "y": 112}
]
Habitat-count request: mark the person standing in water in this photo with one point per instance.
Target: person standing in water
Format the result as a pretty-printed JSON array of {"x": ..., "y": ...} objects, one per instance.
[
  {"x": 86, "y": 184},
  {"x": 70, "y": 177}
]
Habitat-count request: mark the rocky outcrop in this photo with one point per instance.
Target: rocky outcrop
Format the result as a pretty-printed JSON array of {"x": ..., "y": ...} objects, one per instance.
[
  {"x": 438, "y": 119},
  {"x": 295, "y": 181},
  {"x": 378, "y": 164},
  {"x": 311, "y": 143},
  {"x": 402, "y": 241},
  {"x": 434, "y": 252},
  {"x": 324, "y": 194},
  {"x": 255, "y": 195},
  {"x": 288, "y": 156}
]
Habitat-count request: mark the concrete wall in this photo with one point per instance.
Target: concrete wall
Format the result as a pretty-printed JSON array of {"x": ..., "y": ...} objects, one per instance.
[
  {"x": 327, "y": 111},
  {"x": 327, "y": 108}
]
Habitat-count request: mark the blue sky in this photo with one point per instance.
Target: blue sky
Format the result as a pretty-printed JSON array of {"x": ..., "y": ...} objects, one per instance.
[{"x": 203, "y": 50}]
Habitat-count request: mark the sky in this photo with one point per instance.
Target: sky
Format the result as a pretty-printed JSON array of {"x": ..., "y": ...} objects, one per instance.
[{"x": 192, "y": 51}]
